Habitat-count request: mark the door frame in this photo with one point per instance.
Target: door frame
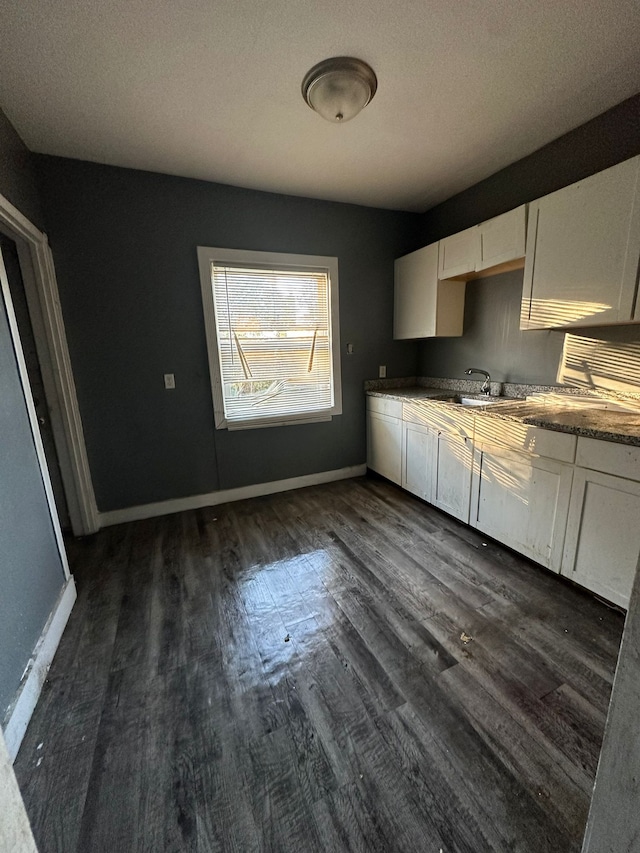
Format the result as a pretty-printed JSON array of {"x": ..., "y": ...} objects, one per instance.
[
  {"x": 41, "y": 289},
  {"x": 31, "y": 412}
]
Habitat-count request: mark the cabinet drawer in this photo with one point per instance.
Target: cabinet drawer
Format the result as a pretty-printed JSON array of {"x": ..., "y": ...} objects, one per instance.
[
  {"x": 522, "y": 437},
  {"x": 385, "y": 406},
  {"x": 417, "y": 412},
  {"x": 609, "y": 457},
  {"x": 440, "y": 417}
]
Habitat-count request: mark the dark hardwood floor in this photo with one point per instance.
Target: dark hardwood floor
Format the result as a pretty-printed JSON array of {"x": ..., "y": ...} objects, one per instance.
[{"x": 337, "y": 668}]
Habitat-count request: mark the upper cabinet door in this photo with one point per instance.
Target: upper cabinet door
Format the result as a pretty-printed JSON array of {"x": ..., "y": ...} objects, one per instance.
[
  {"x": 583, "y": 248},
  {"x": 502, "y": 239},
  {"x": 458, "y": 254},
  {"x": 415, "y": 291},
  {"x": 423, "y": 306}
]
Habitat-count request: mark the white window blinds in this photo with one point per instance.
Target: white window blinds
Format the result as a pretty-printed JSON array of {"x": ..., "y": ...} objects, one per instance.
[{"x": 274, "y": 340}]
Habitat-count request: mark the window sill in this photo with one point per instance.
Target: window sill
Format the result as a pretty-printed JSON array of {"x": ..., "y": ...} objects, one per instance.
[{"x": 316, "y": 417}]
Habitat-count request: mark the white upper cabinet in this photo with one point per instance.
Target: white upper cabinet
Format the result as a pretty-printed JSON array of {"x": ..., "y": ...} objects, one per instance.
[
  {"x": 430, "y": 283},
  {"x": 497, "y": 244},
  {"x": 425, "y": 307},
  {"x": 583, "y": 248},
  {"x": 502, "y": 239},
  {"x": 459, "y": 254}
]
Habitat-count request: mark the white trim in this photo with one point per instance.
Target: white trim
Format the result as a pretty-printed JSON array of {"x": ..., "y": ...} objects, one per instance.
[
  {"x": 43, "y": 300},
  {"x": 137, "y": 513},
  {"x": 208, "y": 256},
  {"x": 37, "y": 669},
  {"x": 321, "y": 416},
  {"x": 208, "y": 307}
]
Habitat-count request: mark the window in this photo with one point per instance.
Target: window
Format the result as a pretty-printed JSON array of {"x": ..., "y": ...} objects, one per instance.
[{"x": 272, "y": 333}]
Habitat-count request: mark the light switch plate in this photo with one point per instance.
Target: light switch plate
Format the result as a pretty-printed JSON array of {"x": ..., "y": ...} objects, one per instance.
[
  {"x": 382, "y": 371},
  {"x": 169, "y": 381}
]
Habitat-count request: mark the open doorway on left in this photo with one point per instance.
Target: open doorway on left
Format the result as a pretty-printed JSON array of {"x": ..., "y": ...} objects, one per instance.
[{"x": 27, "y": 339}]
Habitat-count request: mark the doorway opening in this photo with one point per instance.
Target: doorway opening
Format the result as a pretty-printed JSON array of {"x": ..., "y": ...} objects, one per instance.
[
  {"x": 41, "y": 328},
  {"x": 27, "y": 338}
]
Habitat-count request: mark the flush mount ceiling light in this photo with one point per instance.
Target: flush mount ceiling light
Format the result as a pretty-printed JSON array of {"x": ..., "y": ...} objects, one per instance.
[{"x": 339, "y": 88}]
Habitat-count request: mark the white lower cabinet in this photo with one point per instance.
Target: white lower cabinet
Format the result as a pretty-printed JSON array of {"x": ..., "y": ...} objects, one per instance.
[
  {"x": 417, "y": 460},
  {"x": 521, "y": 500},
  {"x": 438, "y": 454},
  {"x": 452, "y": 473},
  {"x": 436, "y": 466},
  {"x": 384, "y": 445},
  {"x": 384, "y": 437},
  {"x": 571, "y": 504},
  {"x": 603, "y": 534}
]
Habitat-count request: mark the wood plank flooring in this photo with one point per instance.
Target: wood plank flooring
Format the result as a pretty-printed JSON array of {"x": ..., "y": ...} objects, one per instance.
[{"x": 340, "y": 668}]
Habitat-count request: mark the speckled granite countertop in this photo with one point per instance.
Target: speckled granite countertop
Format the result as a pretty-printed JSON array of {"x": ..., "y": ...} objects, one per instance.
[
  {"x": 603, "y": 424},
  {"x": 413, "y": 393},
  {"x": 622, "y": 427}
]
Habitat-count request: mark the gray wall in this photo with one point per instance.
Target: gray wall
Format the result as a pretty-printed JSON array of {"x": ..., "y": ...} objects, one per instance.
[
  {"x": 604, "y": 141},
  {"x": 124, "y": 244},
  {"x": 492, "y": 338},
  {"x": 17, "y": 177},
  {"x": 31, "y": 574}
]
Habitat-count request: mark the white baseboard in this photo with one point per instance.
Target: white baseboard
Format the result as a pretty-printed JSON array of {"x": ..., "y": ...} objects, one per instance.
[
  {"x": 37, "y": 669},
  {"x": 137, "y": 513}
]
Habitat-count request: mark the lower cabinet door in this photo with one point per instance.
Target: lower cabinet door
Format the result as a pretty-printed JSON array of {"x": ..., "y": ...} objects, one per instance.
[
  {"x": 603, "y": 534},
  {"x": 384, "y": 445},
  {"x": 522, "y": 501},
  {"x": 453, "y": 459},
  {"x": 417, "y": 460}
]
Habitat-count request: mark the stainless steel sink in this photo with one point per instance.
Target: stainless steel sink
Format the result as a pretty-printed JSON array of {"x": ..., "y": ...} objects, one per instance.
[
  {"x": 463, "y": 400},
  {"x": 478, "y": 401}
]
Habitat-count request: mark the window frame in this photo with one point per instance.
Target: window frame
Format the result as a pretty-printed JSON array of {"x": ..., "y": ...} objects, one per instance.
[{"x": 207, "y": 256}]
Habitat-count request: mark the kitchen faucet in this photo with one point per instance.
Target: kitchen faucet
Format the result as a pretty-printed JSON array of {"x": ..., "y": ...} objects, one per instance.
[{"x": 486, "y": 385}]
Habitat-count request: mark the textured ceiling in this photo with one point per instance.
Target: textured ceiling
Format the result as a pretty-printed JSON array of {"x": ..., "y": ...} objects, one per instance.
[{"x": 211, "y": 88}]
